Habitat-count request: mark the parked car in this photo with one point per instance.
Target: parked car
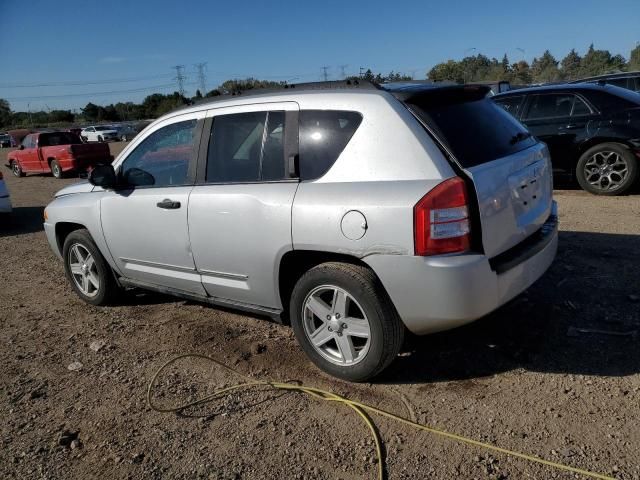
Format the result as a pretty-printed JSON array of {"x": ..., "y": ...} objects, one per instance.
[
  {"x": 350, "y": 211},
  {"x": 5, "y": 201},
  {"x": 5, "y": 140},
  {"x": 125, "y": 132},
  {"x": 56, "y": 152},
  {"x": 592, "y": 131},
  {"x": 100, "y": 133},
  {"x": 628, "y": 80}
]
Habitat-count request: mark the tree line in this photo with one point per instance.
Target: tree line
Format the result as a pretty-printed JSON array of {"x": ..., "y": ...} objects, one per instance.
[
  {"x": 543, "y": 69},
  {"x": 475, "y": 68}
]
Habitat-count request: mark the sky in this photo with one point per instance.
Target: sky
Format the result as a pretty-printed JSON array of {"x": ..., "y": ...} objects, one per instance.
[{"x": 64, "y": 54}]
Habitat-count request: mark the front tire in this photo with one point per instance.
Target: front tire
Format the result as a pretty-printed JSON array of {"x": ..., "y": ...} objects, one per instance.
[
  {"x": 345, "y": 322},
  {"x": 607, "y": 169},
  {"x": 56, "y": 170},
  {"x": 87, "y": 271}
]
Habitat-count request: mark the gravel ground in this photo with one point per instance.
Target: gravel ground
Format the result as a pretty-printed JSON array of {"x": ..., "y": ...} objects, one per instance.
[{"x": 555, "y": 373}]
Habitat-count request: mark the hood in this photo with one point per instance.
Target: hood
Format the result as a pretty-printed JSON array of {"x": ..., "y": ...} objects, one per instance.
[{"x": 80, "y": 187}]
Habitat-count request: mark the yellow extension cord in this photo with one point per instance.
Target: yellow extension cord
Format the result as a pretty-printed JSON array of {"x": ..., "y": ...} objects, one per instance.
[{"x": 358, "y": 407}]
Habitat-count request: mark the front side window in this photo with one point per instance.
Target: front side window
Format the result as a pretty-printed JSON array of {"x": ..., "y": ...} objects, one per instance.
[
  {"x": 162, "y": 159},
  {"x": 29, "y": 141},
  {"x": 246, "y": 147},
  {"x": 324, "y": 134},
  {"x": 555, "y": 105}
]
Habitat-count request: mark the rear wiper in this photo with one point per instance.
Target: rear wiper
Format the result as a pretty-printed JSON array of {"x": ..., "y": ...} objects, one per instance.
[{"x": 520, "y": 136}]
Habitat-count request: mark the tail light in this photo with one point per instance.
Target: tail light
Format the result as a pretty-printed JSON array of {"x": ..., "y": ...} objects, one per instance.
[{"x": 441, "y": 220}]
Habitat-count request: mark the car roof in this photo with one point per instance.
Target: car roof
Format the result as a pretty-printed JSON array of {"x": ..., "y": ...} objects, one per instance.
[
  {"x": 560, "y": 87},
  {"x": 608, "y": 76}
]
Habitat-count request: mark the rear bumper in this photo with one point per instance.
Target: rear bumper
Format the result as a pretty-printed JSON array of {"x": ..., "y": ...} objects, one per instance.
[
  {"x": 5, "y": 204},
  {"x": 438, "y": 293}
]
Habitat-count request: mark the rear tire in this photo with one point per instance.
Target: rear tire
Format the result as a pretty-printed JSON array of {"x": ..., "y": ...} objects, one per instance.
[
  {"x": 56, "y": 170},
  {"x": 339, "y": 346},
  {"x": 87, "y": 271},
  {"x": 16, "y": 169},
  {"x": 100, "y": 139},
  {"x": 607, "y": 169}
]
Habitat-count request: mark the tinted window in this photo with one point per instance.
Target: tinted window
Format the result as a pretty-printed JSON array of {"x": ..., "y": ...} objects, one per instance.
[
  {"x": 511, "y": 104},
  {"x": 475, "y": 131},
  {"x": 323, "y": 136},
  {"x": 618, "y": 82},
  {"x": 610, "y": 99},
  {"x": 550, "y": 106},
  {"x": 59, "y": 138},
  {"x": 162, "y": 159},
  {"x": 246, "y": 147},
  {"x": 579, "y": 108}
]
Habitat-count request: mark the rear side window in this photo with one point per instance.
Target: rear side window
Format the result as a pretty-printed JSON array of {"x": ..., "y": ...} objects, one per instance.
[
  {"x": 323, "y": 136},
  {"x": 246, "y": 147},
  {"x": 59, "y": 138},
  {"x": 475, "y": 131},
  {"x": 511, "y": 104}
]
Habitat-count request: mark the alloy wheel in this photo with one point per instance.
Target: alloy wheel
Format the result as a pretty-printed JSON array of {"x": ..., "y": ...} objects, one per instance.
[
  {"x": 84, "y": 270},
  {"x": 606, "y": 170},
  {"x": 336, "y": 325}
]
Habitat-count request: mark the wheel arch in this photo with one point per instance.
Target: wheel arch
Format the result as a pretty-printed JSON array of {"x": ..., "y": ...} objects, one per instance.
[
  {"x": 63, "y": 229},
  {"x": 295, "y": 263}
]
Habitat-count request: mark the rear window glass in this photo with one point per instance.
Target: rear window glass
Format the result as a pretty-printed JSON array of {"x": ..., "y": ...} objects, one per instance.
[
  {"x": 59, "y": 138},
  {"x": 476, "y": 131},
  {"x": 323, "y": 136}
]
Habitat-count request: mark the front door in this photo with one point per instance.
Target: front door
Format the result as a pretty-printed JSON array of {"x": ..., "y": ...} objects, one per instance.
[
  {"x": 240, "y": 210},
  {"x": 29, "y": 157},
  {"x": 145, "y": 223}
]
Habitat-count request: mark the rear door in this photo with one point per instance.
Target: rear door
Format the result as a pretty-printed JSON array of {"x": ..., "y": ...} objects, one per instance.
[
  {"x": 559, "y": 120},
  {"x": 510, "y": 170},
  {"x": 240, "y": 209}
]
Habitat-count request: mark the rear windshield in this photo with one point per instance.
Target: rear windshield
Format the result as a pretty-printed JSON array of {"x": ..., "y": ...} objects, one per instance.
[
  {"x": 58, "y": 138},
  {"x": 476, "y": 132}
]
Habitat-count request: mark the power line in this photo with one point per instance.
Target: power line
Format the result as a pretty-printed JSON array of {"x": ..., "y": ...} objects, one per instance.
[
  {"x": 343, "y": 75},
  {"x": 77, "y": 83},
  {"x": 180, "y": 78},
  {"x": 201, "y": 67},
  {"x": 90, "y": 94}
]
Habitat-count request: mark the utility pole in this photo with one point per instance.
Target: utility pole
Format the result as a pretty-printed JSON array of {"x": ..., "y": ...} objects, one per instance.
[
  {"x": 202, "y": 81},
  {"x": 343, "y": 75},
  {"x": 180, "y": 78},
  {"x": 325, "y": 75}
]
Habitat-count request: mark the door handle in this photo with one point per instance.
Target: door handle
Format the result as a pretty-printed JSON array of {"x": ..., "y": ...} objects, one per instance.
[
  {"x": 168, "y": 204},
  {"x": 571, "y": 126}
]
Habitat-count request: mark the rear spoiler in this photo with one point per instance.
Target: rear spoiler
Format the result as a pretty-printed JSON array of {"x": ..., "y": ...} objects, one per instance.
[{"x": 426, "y": 95}]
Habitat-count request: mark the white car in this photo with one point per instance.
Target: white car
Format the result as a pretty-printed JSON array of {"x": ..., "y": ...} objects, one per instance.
[
  {"x": 100, "y": 133},
  {"x": 5, "y": 201}
]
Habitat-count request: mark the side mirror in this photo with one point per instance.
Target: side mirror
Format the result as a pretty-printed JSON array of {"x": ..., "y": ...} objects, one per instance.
[
  {"x": 138, "y": 178},
  {"x": 103, "y": 176}
]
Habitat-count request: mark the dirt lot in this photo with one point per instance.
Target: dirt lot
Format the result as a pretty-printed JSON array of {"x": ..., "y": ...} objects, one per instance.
[{"x": 530, "y": 377}]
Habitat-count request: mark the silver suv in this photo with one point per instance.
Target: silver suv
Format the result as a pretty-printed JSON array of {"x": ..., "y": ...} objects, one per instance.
[{"x": 351, "y": 211}]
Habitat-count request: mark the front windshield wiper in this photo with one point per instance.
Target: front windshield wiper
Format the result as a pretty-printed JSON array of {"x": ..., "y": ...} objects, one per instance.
[{"x": 520, "y": 136}]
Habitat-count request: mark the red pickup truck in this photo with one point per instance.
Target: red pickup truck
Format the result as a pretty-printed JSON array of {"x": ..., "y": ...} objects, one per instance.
[{"x": 56, "y": 152}]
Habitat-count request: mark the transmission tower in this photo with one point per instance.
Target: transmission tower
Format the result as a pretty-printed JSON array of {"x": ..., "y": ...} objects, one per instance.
[
  {"x": 180, "y": 78},
  {"x": 343, "y": 74},
  {"x": 202, "y": 80},
  {"x": 325, "y": 75}
]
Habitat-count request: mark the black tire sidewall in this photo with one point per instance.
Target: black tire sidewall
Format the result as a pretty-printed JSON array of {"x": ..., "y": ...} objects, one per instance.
[
  {"x": 623, "y": 151},
  {"x": 105, "y": 291},
  {"x": 15, "y": 164},
  {"x": 371, "y": 364}
]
